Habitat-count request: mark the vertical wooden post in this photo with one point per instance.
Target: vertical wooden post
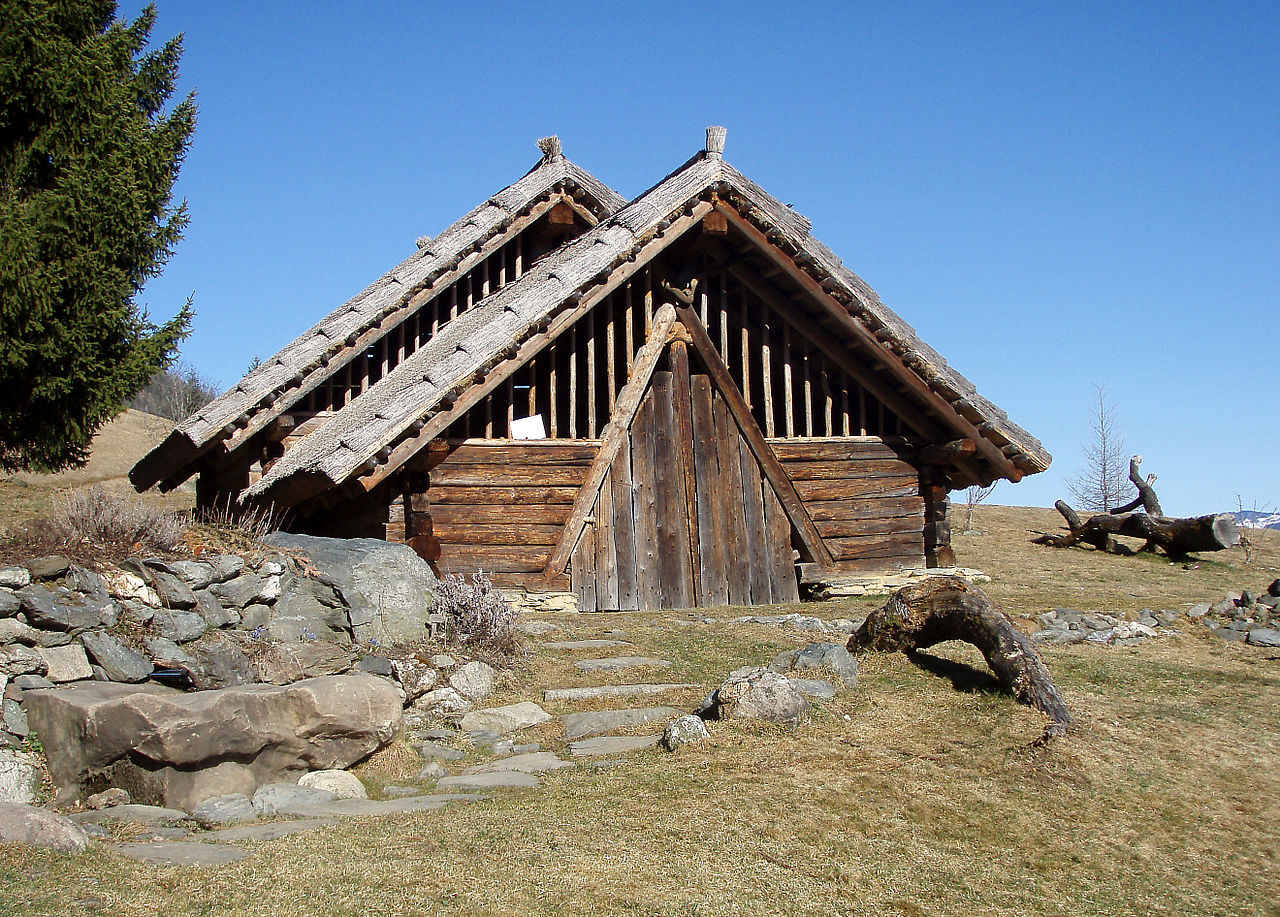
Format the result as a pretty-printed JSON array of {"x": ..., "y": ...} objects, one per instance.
[
  {"x": 683, "y": 403},
  {"x": 788, "y": 399},
  {"x": 553, "y": 420},
  {"x": 937, "y": 527},
  {"x": 591, "y": 374}
]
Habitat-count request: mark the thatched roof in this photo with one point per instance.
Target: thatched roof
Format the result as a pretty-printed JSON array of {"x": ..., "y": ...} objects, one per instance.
[
  {"x": 423, "y": 389},
  {"x": 280, "y": 381}
]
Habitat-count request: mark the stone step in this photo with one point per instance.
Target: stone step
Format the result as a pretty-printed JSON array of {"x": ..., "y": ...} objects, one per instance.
[
  {"x": 595, "y": 722},
  {"x": 611, "y": 745},
  {"x": 181, "y": 853},
  {"x": 489, "y": 781},
  {"x": 503, "y": 720},
  {"x": 598, "y": 691},
  {"x": 536, "y": 762},
  {"x": 584, "y": 644},
  {"x": 345, "y": 808},
  {"x": 617, "y": 663},
  {"x": 266, "y": 832}
]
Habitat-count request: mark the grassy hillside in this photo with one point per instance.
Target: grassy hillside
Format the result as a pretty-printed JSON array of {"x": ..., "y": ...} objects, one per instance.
[{"x": 917, "y": 794}]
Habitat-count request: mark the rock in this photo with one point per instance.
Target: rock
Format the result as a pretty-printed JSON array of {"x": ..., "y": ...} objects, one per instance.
[
  {"x": 132, "y": 814},
  {"x": 399, "y": 791},
  {"x": 831, "y": 657},
  {"x": 220, "y": 663},
  {"x": 485, "y": 738},
  {"x": 474, "y": 681},
  {"x": 537, "y": 762},
  {"x": 267, "y": 832},
  {"x": 288, "y": 798},
  {"x": 376, "y": 665},
  {"x": 14, "y": 718},
  {"x": 524, "y": 748},
  {"x": 342, "y": 784},
  {"x": 488, "y": 781},
  {"x": 173, "y": 592},
  {"x": 224, "y": 810},
  {"x": 31, "y": 682},
  {"x": 389, "y": 590},
  {"x": 180, "y": 626},
  {"x": 814, "y": 687},
  {"x": 1229, "y": 635},
  {"x": 255, "y": 617},
  {"x": 181, "y": 853},
  {"x": 585, "y": 644},
  {"x": 48, "y": 611},
  {"x": 414, "y": 676},
  {"x": 130, "y": 587},
  {"x": 503, "y": 720},
  {"x": 195, "y": 574},
  {"x": 108, "y": 798},
  {"x": 617, "y": 663},
  {"x": 209, "y": 608},
  {"x": 595, "y": 722},
  {"x": 1132, "y": 629},
  {"x": 10, "y": 604},
  {"x": 1198, "y": 611},
  {"x": 14, "y": 577},
  {"x": 65, "y": 663},
  {"x": 284, "y": 663},
  {"x": 442, "y": 701},
  {"x": 19, "y": 777},
  {"x": 168, "y": 654},
  {"x": 24, "y": 824},
  {"x": 611, "y": 745},
  {"x": 153, "y": 738},
  {"x": 433, "y": 770},
  {"x": 1274, "y": 588},
  {"x": 118, "y": 661},
  {"x": 239, "y": 592},
  {"x": 1264, "y": 636},
  {"x": 536, "y": 628},
  {"x": 1226, "y": 607},
  {"x": 19, "y": 660},
  {"x": 51, "y": 566},
  {"x": 1246, "y": 600},
  {"x": 593, "y": 692},
  {"x": 443, "y": 661},
  {"x": 757, "y": 693},
  {"x": 444, "y": 752},
  {"x": 14, "y": 631},
  {"x": 1060, "y": 637},
  {"x": 684, "y": 730}
]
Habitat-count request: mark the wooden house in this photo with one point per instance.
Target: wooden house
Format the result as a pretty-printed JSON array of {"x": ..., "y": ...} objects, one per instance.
[{"x": 678, "y": 401}]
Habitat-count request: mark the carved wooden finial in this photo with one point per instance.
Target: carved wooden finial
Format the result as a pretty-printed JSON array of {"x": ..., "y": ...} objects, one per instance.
[
  {"x": 715, "y": 141},
  {"x": 550, "y": 147}
]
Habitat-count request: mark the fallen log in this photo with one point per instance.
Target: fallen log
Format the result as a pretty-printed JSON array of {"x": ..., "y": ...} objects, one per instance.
[
  {"x": 1177, "y": 537},
  {"x": 952, "y": 608}
]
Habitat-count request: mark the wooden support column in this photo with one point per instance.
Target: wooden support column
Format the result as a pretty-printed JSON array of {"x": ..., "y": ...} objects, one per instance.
[
  {"x": 683, "y": 400},
  {"x": 419, "y": 530},
  {"x": 937, "y": 525}
]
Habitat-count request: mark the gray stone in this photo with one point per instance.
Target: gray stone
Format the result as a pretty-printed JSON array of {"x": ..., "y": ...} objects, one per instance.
[
  {"x": 268, "y": 831},
  {"x": 209, "y": 608},
  {"x": 21, "y": 660},
  {"x": 414, "y": 676},
  {"x": 254, "y": 616},
  {"x": 239, "y": 592},
  {"x": 341, "y": 784},
  {"x": 503, "y": 720},
  {"x": 1198, "y": 611},
  {"x": 533, "y": 763},
  {"x": 173, "y": 592},
  {"x": 14, "y": 577},
  {"x": 137, "y": 612},
  {"x": 65, "y": 663},
  {"x": 180, "y": 626},
  {"x": 482, "y": 738},
  {"x": 31, "y": 682},
  {"x": 132, "y": 814},
  {"x": 284, "y": 663},
  {"x": 1225, "y": 607},
  {"x": 181, "y": 853},
  {"x": 401, "y": 791},
  {"x": 118, "y": 661},
  {"x": 220, "y": 663},
  {"x": 287, "y": 798},
  {"x": 1229, "y": 635},
  {"x": 440, "y": 734},
  {"x": 1059, "y": 637},
  {"x": 433, "y": 770},
  {"x": 365, "y": 807},
  {"x": 79, "y": 579},
  {"x": 443, "y": 702},
  {"x": 524, "y": 748},
  {"x": 487, "y": 781},
  {"x": 443, "y": 752},
  {"x": 49, "y": 611},
  {"x": 111, "y": 796},
  {"x": 51, "y": 566},
  {"x": 443, "y": 661},
  {"x": 830, "y": 657},
  {"x": 52, "y": 638},
  {"x": 14, "y": 631},
  {"x": 618, "y": 663},
  {"x": 19, "y": 777},
  {"x": 611, "y": 745},
  {"x": 1264, "y": 636},
  {"x": 389, "y": 589},
  {"x": 596, "y": 722},
  {"x": 167, "y": 654},
  {"x": 14, "y": 718},
  {"x": 23, "y": 824},
  {"x": 814, "y": 687},
  {"x": 224, "y": 810},
  {"x": 474, "y": 681},
  {"x": 585, "y": 644},
  {"x": 9, "y": 603},
  {"x": 376, "y": 665},
  {"x": 196, "y": 574},
  {"x": 536, "y": 628},
  {"x": 684, "y": 730},
  {"x": 757, "y": 693}
]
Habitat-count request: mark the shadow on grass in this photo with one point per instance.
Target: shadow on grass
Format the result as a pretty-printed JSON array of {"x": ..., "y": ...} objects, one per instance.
[{"x": 963, "y": 677}]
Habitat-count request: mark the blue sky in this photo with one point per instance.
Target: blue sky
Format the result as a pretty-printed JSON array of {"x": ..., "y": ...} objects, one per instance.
[{"x": 1054, "y": 195}]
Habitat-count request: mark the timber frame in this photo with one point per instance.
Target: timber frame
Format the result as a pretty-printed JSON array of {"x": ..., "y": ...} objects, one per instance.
[{"x": 716, "y": 403}]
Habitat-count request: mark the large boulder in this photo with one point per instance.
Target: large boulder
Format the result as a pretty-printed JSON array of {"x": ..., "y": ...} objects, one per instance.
[
  {"x": 21, "y": 824},
  {"x": 389, "y": 590},
  {"x": 157, "y": 743},
  {"x": 758, "y": 693}
]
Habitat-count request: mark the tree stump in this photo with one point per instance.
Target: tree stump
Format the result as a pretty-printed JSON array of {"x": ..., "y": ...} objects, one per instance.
[{"x": 952, "y": 608}]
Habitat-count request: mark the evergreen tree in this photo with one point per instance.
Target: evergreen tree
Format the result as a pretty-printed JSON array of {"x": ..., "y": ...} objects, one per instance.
[{"x": 88, "y": 158}]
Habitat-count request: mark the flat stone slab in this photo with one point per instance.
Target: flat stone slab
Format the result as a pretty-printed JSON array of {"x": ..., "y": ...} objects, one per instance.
[
  {"x": 182, "y": 853},
  {"x": 502, "y": 720},
  {"x": 268, "y": 831},
  {"x": 490, "y": 781},
  {"x": 585, "y": 644},
  {"x": 611, "y": 745},
  {"x": 814, "y": 687},
  {"x": 617, "y": 663},
  {"x": 131, "y": 814},
  {"x": 611, "y": 691},
  {"x": 443, "y": 752},
  {"x": 349, "y": 808},
  {"x": 536, "y": 762},
  {"x": 595, "y": 722}
]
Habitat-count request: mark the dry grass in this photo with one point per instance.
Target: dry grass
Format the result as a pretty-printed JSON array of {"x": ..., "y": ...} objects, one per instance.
[{"x": 910, "y": 796}]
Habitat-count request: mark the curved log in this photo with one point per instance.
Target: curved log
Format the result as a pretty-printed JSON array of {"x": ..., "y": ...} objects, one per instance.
[
  {"x": 1176, "y": 537},
  {"x": 1146, "y": 497},
  {"x": 952, "y": 608}
]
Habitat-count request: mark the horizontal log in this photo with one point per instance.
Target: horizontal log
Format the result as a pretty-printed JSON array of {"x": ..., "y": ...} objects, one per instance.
[
  {"x": 471, "y": 494},
  {"x": 848, "y": 488},
  {"x": 836, "y": 448},
  {"x": 812, "y": 573},
  {"x": 531, "y": 582},
  {"x": 876, "y": 546},
  {"x": 500, "y": 514},
  {"x": 861, "y": 528},
  {"x": 538, "y": 453},
  {"x": 826, "y": 471},
  {"x": 448, "y": 473},
  {"x": 475, "y": 535},
  {"x": 865, "y": 508},
  {"x": 493, "y": 558}
]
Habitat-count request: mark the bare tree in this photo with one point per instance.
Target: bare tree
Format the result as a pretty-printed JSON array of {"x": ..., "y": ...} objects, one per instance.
[
  {"x": 973, "y": 496},
  {"x": 176, "y": 393},
  {"x": 1102, "y": 483}
]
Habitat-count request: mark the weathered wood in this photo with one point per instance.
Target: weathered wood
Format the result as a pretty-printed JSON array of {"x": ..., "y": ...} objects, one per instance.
[
  {"x": 878, "y": 546},
  {"x": 729, "y": 493},
  {"x": 511, "y": 514},
  {"x": 946, "y": 453},
  {"x": 542, "y": 452},
  {"x": 861, "y": 528},
  {"x": 471, "y": 494},
  {"x": 531, "y": 582},
  {"x": 487, "y": 475},
  {"x": 606, "y": 565},
  {"x": 674, "y": 559},
  {"x": 1177, "y": 537},
  {"x": 644, "y": 500},
  {"x": 848, "y": 488},
  {"x": 624, "y": 528},
  {"x": 937, "y": 524},
  {"x": 951, "y": 608},
  {"x": 1146, "y": 498},
  {"x": 770, "y": 467},
  {"x": 863, "y": 468},
  {"x": 682, "y": 404},
  {"x": 584, "y": 570},
  {"x": 514, "y": 534},
  {"x": 614, "y": 433},
  {"x": 757, "y": 550},
  {"x": 865, "y": 508},
  {"x": 832, "y": 449},
  {"x": 493, "y": 558},
  {"x": 777, "y": 532},
  {"x": 713, "y": 583}
]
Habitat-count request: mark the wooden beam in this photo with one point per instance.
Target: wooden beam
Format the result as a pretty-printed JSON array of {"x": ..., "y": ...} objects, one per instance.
[
  {"x": 682, "y": 395},
  {"x": 615, "y": 433},
  {"x": 947, "y": 453},
  {"x": 855, "y": 329},
  {"x": 756, "y": 442}
]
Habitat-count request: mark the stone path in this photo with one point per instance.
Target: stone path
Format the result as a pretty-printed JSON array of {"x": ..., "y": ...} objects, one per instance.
[
  {"x": 585, "y": 644},
  {"x": 596, "y": 722},
  {"x": 599, "y": 691},
  {"x": 618, "y": 663}
]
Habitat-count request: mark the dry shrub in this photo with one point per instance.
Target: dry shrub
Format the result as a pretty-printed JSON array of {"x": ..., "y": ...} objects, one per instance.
[
  {"x": 479, "y": 617},
  {"x": 232, "y": 530},
  {"x": 116, "y": 522}
]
